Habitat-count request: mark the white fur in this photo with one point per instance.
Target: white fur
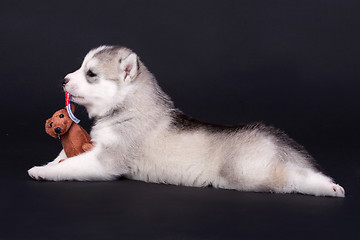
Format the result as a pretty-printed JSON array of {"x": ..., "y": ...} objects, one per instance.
[{"x": 134, "y": 137}]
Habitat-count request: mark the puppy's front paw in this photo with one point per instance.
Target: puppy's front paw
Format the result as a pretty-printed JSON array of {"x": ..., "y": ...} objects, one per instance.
[
  {"x": 338, "y": 190},
  {"x": 37, "y": 173}
]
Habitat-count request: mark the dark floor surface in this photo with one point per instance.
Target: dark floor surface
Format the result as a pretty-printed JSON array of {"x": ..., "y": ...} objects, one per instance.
[
  {"x": 291, "y": 64},
  {"x": 126, "y": 209}
]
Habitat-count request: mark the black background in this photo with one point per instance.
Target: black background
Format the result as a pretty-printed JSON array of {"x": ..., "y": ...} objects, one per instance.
[{"x": 290, "y": 64}]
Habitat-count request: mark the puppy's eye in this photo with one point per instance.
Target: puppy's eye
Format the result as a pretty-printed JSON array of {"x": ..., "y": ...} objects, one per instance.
[
  {"x": 51, "y": 124},
  {"x": 61, "y": 115},
  {"x": 91, "y": 73}
]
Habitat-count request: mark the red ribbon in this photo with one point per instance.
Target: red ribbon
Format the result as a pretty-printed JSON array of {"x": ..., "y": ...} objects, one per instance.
[{"x": 67, "y": 98}]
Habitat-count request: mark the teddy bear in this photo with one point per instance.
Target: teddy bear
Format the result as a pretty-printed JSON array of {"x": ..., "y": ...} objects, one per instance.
[{"x": 74, "y": 139}]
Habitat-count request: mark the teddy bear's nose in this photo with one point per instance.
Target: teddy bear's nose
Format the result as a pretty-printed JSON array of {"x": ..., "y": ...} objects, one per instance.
[{"x": 58, "y": 130}]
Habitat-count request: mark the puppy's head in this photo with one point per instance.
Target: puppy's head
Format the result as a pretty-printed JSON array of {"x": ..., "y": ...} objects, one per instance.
[
  {"x": 58, "y": 124},
  {"x": 103, "y": 80}
]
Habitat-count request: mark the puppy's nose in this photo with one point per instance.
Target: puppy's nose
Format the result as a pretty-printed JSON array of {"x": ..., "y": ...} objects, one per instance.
[
  {"x": 65, "y": 81},
  {"x": 58, "y": 130}
]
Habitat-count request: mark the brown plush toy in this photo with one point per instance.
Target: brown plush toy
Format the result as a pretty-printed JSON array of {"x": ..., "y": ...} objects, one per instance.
[{"x": 74, "y": 139}]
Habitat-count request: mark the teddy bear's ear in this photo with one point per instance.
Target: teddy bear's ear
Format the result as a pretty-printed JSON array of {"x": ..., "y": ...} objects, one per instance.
[
  {"x": 48, "y": 128},
  {"x": 72, "y": 106},
  {"x": 47, "y": 123}
]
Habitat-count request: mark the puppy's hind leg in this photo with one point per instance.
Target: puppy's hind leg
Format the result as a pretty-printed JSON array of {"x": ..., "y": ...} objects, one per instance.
[
  {"x": 84, "y": 167},
  {"x": 308, "y": 181}
]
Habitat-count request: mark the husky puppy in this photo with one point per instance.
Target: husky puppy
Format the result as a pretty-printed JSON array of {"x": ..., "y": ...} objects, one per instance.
[{"x": 139, "y": 134}]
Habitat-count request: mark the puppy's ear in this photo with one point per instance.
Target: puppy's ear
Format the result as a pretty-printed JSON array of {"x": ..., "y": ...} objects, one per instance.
[{"x": 129, "y": 67}]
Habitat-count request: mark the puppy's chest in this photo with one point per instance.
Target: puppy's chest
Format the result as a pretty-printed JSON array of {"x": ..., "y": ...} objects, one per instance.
[{"x": 105, "y": 135}]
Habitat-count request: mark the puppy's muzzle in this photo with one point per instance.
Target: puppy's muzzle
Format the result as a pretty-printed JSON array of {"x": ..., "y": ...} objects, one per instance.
[{"x": 65, "y": 81}]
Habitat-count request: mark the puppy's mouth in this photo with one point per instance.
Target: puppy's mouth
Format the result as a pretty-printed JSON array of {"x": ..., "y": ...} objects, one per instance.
[
  {"x": 75, "y": 98},
  {"x": 72, "y": 96}
]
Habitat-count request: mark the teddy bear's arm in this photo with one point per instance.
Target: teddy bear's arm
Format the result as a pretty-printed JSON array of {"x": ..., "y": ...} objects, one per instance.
[
  {"x": 61, "y": 156},
  {"x": 87, "y": 146}
]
